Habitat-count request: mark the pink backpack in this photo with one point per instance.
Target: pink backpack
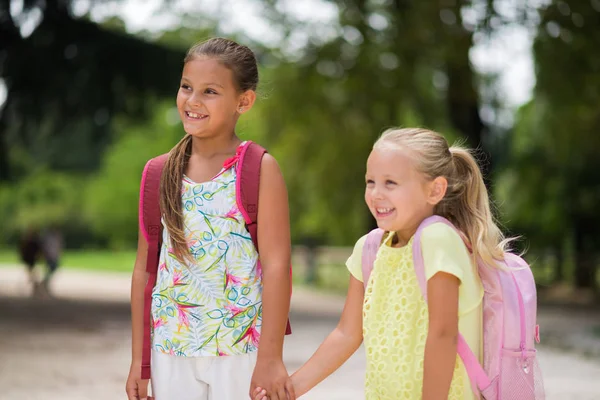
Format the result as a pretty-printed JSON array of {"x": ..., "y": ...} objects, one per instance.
[
  {"x": 510, "y": 368},
  {"x": 248, "y": 158}
]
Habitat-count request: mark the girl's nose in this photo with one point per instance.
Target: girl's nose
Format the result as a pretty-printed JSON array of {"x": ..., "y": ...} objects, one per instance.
[
  {"x": 376, "y": 193},
  {"x": 194, "y": 99}
]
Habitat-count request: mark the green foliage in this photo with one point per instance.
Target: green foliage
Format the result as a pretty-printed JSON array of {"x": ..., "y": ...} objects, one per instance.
[
  {"x": 332, "y": 100},
  {"x": 531, "y": 187},
  {"x": 550, "y": 186},
  {"x": 65, "y": 83},
  {"x": 72, "y": 161},
  {"x": 111, "y": 198},
  {"x": 42, "y": 199},
  {"x": 101, "y": 260}
]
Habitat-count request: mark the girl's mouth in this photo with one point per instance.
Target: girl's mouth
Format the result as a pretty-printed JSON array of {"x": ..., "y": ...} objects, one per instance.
[
  {"x": 195, "y": 116},
  {"x": 384, "y": 212}
]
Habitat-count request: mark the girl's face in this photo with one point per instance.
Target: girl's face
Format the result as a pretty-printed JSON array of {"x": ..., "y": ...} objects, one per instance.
[
  {"x": 208, "y": 100},
  {"x": 398, "y": 196}
]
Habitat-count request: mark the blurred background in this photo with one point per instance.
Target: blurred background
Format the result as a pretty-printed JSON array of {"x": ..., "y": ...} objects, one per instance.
[{"x": 87, "y": 96}]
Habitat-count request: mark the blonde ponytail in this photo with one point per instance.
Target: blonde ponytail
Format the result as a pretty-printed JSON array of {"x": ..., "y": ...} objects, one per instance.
[{"x": 467, "y": 205}]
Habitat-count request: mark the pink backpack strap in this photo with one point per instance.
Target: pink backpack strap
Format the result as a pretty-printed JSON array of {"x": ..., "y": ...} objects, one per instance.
[
  {"x": 369, "y": 253},
  {"x": 150, "y": 226},
  {"x": 477, "y": 376},
  {"x": 247, "y": 187}
]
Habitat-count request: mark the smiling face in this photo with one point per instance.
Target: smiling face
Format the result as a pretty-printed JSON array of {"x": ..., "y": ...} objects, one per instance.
[
  {"x": 208, "y": 99},
  {"x": 397, "y": 194}
]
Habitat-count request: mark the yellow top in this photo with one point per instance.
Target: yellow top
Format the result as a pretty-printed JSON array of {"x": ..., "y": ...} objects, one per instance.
[{"x": 395, "y": 317}]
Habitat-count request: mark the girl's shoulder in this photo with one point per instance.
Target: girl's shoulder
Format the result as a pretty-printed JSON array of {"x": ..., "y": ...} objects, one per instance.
[
  {"x": 360, "y": 243},
  {"x": 357, "y": 250},
  {"x": 441, "y": 240},
  {"x": 442, "y": 233},
  {"x": 354, "y": 262},
  {"x": 444, "y": 250}
]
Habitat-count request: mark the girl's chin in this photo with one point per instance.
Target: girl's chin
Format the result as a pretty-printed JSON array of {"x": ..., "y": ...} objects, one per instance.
[{"x": 387, "y": 225}]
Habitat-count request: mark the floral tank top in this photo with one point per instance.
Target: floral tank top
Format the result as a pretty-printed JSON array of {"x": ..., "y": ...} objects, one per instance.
[{"x": 212, "y": 307}]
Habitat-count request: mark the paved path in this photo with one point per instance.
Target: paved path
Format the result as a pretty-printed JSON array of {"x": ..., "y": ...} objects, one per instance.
[{"x": 76, "y": 347}]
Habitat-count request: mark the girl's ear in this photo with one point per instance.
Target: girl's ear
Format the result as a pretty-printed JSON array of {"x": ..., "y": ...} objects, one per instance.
[
  {"x": 437, "y": 190},
  {"x": 246, "y": 101}
]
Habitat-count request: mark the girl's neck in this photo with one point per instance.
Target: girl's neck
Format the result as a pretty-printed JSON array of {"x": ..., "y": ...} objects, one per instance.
[
  {"x": 215, "y": 146},
  {"x": 403, "y": 236}
]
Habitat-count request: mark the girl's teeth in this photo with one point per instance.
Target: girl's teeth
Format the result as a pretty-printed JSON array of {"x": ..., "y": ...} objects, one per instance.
[{"x": 384, "y": 210}]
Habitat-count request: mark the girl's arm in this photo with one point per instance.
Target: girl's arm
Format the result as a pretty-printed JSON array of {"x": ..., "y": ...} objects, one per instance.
[
  {"x": 341, "y": 343},
  {"x": 136, "y": 387},
  {"x": 442, "y": 336},
  {"x": 275, "y": 255}
]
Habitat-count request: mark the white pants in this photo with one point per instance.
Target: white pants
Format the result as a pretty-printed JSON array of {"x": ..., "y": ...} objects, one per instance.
[{"x": 202, "y": 378}]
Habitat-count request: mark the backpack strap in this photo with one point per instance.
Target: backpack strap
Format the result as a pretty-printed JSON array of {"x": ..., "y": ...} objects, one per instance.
[
  {"x": 247, "y": 185},
  {"x": 369, "y": 253},
  {"x": 477, "y": 376},
  {"x": 247, "y": 188},
  {"x": 150, "y": 226}
]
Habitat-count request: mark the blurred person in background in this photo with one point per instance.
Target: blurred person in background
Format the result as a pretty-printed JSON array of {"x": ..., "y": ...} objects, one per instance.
[
  {"x": 52, "y": 244},
  {"x": 30, "y": 248}
]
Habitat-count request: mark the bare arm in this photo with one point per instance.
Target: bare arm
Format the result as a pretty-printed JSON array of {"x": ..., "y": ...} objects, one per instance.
[
  {"x": 138, "y": 283},
  {"x": 275, "y": 256},
  {"x": 341, "y": 343},
  {"x": 136, "y": 387},
  {"x": 442, "y": 336}
]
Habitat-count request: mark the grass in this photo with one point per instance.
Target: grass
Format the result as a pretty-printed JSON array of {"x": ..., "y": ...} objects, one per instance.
[
  {"x": 8, "y": 257},
  {"x": 118, "y": 261},
  {"x": 332, "y": 278}
]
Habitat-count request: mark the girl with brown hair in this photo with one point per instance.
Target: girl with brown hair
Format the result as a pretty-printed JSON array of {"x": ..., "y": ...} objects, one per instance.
[{"x": 211, "y": 304}]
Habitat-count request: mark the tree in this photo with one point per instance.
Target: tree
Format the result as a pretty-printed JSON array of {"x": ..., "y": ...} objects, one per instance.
[
  {"x": 556, "y": 146},
  {"x": 388, "y": 64},
  {"x": 66, "y": 81}
]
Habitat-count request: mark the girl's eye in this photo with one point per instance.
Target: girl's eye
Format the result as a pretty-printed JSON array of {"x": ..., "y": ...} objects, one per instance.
[
  {"x": 370, "y": 182},
  {"x": 210, "y": 91},
  {"x": 388, "y": 182},
  {"x": 185, "y": 86}
]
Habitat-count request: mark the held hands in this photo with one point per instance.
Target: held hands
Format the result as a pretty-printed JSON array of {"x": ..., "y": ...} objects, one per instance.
[
  {"x": 271, "y": 381},
  {"x": 260, "y": 394}
]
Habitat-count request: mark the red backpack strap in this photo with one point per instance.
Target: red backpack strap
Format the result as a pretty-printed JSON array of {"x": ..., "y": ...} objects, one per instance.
[
  {"x": 150, "y": 226},
  {"x": 149, "y": 211},
  {"x": 247, "y": 187},
  {"x": 248, "y": 183}
]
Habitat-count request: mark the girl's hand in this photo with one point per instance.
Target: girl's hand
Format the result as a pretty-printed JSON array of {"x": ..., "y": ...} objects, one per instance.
[
  {"x": 260, "y": 394},
  {"x": 136, "y": 387}
]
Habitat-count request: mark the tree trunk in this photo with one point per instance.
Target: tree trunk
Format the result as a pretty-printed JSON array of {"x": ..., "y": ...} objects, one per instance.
[
  {"x": 463, "y": 96},
  {"x": 5, "y": 174},
  {"x": 585, "y": 265},
  {"x": 10, "y": 38},
  {"x": 559, "y": 267}
]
